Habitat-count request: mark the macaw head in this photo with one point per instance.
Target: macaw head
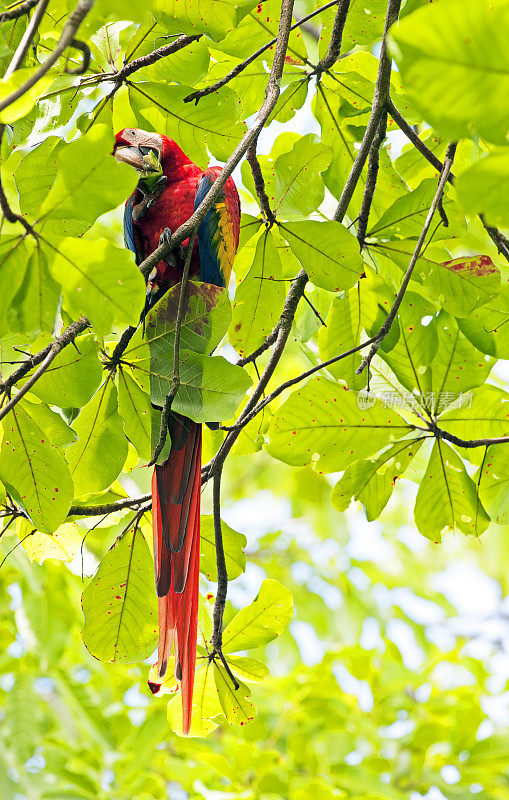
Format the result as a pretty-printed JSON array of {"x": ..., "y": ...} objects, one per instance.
[{"x": 150, "y": 153}]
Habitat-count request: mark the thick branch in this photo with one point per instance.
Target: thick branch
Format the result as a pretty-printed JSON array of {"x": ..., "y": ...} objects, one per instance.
[
  {"x": 384, "y": 330},
  {"x": 256, "y": 171},
  {"x": 271, "y": 95},
  {"x": 66, "y": 39},
  {"x": 27, "y": 38},
  {"x": 371, "y": 178},
  {"x": 196, "y": 96},
  {"x": 44, "y": 358},
  {"x": 334, "y": 48},
  {"x": 18, "y": 11},
  {"x": 380, "y": 98}
]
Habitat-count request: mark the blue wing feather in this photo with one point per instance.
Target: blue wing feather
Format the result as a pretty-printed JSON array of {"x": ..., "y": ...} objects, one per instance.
[
  {"x": 210, "y": 267},
  {"x": 129, "y": 228}
]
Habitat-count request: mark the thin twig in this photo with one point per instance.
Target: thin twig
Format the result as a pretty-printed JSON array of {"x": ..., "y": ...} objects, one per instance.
[
  {"x": 334, "y": 48},
  {"x": 152, "y": 58},
  {"x": 114, "y": 360},
  {"x": 18, "y": 11},
  {"x": 269, "y": 341},
  {"x": 384, "y": 330},
  {"x": 381, "y": 95},
  {"x": 259, "y": 182},
  {"x": 66, "y": 38},
  {"x": 27, "y": 38},
  {"x": 371, "y": 178},
  {"x": 497, "y": 237},
  {"x": 44, "y": 358},
  {"x": 468, "y": 443},
  {"x": 196, "y": 96},
  {"x": 85, "y": 62},
  {"x": 175, "y": 381},
  {"x": 271, "y": 96},
  {"x": 111, "y": 508}
]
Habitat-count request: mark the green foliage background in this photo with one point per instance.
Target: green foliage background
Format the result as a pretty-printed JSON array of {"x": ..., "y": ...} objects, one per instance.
[{"x": 386, "y": 683}]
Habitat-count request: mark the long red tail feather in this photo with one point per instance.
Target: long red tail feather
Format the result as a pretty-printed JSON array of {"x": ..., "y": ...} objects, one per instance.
[{"x": 176, "y": 488}]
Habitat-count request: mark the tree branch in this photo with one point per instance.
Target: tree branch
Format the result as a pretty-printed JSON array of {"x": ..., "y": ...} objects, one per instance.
[
  {"x": 66, "y": 39},
  {"x": 371, "y": 179},
  {"x": 334, "y": 48},
  {"x": 144, "y": 500},
  {"x": 468, "y": 443},
  {"x": 384, "y": 330},
  {"x": 497, "y": 237},
  {"x": 26, "y": 40},
  {"x": 44, "y": 358},
  {"x": 271, "y": 95},
  {"x": 381, "y": 95},
  {"x": 18, "y": 11},
  {"x": 259, "y": 182},
  {"x": 152, "y": 58},
  {"x": 196, "y": 96}
]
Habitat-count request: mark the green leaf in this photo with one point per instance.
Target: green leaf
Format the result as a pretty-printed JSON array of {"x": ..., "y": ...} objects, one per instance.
[
  {"x": 192, "y": 16},
  {"x": 250, "y": 669},
  {"x": 348, "y": 316},
  {"x": 300, "y": 189},
  {"x": 485, "y": 327},
  {"x": 466, "y": 42},
  {"x": 447, "y": 497},
  {"x": 100, "y": 281},
  {"x": 457, "y": 366},
  {"x": 327, "y": 251},
  {"x": 14, "y": 255},
  {"x": 205, "y": 706},
  {"x": 259, "y": 298},
  {"x": 493, "y": 477},
  {"x": 258, "y": 28},
  {"x": 73, "y": 376},
  {"x": 327, "y": 424},
  {"x": 262, "y": 621},
  {"x": 372, "y": 482},
  {"x": 463, "y": 284},
  {"x": 480, "y": 414},
  {"x": 56, "y": 429},
  {"x": 98, "y": 456},
  {"x": 233, "y": 543},
  {"x": 63, "y": 544},
  {"x": 119, "y": 603},
  {"x": 135, "y": 409},
  {"x": 237, "y": 705},
  {"x": 484, "y": 187},
  {"x": 89, "y": 182},
  {"x": 405, "y": 218},
  {"x": 34, "y": 471},
  {"x": 207, "y": 314},
  {"x": 213, "y": 123},
  {"x": 210, "y": 387},
  {"x": 24, "y": 104},
  {"x": 34, "y": 307},
  {"x": 35, "y": 174}
]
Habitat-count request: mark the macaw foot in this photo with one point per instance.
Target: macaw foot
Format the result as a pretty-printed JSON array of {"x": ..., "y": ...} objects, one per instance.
[
  {"x": 177, "y": 254},
  {"x": 142, "y": 208}
]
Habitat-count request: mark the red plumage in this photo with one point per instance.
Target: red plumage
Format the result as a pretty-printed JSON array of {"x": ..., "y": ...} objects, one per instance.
[{"x": 176, "y": 485}]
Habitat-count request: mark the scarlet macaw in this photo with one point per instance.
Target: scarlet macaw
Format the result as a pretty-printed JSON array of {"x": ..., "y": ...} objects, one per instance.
[{"x": 169, "y": 190}]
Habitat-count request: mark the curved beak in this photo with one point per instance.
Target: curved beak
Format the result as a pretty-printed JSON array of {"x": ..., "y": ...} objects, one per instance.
[{"x": 133, "y": 156}]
